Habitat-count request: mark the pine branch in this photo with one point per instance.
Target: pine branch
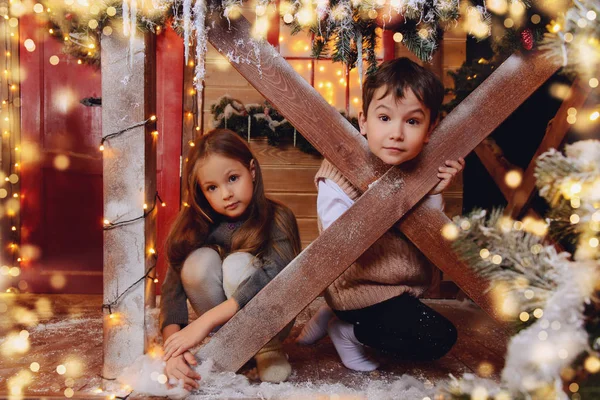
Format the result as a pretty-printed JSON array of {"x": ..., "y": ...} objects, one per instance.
[{"x": 499, "y": 251}]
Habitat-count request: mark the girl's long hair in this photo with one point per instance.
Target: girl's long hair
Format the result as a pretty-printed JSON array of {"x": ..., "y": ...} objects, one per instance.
[{"x": 196, "y": 217}]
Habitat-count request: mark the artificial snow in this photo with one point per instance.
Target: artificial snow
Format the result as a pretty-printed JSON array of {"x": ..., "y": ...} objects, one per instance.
[{"x": 143, "y": 375}]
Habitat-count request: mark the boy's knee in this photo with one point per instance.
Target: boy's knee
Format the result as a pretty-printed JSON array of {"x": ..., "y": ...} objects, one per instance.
[
  {"x": 446, "y": 341},
  {"x": 202, "y": 264}
]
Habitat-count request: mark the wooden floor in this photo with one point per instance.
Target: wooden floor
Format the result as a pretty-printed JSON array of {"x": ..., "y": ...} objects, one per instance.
[{"x": 67, "y": 330}]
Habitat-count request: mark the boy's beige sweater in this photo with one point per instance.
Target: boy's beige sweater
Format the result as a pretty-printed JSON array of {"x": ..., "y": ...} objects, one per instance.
[{"x": 389, "y": 268}]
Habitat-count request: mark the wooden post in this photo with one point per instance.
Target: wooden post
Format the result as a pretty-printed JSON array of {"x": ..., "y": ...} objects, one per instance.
[
  {"x": 129, "y": 182},
  {"x": 379, "y": 208}
]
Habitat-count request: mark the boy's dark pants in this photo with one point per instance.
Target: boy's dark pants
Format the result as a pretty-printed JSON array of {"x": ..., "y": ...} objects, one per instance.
[{"x": 402, "y": 326}]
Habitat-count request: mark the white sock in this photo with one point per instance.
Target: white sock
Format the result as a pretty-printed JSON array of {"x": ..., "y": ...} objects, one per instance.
[
  {"x": 316, "y": 328},
  {"x": 350, "y": 350}
]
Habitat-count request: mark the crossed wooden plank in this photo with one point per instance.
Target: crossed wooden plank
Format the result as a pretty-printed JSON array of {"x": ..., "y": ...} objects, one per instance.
[
  {"x": 392, "y": 197},
  {"x": 497, "y": 166},
  {"x": 556, "y": 131}
]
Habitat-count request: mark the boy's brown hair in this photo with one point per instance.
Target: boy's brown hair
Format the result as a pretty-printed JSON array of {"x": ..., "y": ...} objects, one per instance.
[{"x": 401, "y": 74}]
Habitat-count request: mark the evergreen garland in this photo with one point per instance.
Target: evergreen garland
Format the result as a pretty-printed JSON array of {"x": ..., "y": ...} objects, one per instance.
[
  {"x": 74, "y": 31},
  {"x": 265, "y": 121},
  {"x": 471, "y": 74}
]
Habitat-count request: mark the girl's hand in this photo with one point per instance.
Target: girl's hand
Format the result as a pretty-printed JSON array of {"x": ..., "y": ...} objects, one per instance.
[
  {"x": 181, "y": 341},
  {"x": 179, "y": 368},
  {"x": 447, "y": 174}
]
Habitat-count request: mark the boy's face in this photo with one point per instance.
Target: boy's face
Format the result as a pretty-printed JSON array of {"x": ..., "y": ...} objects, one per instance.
[{"x": 396, "y": 130}]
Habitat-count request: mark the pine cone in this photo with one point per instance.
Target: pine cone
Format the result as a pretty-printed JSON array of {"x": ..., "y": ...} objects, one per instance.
[{"x": 527, "y": 39}]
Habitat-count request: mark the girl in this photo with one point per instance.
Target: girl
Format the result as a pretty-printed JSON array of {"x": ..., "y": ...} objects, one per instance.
[{"x": 226, "y": 244}]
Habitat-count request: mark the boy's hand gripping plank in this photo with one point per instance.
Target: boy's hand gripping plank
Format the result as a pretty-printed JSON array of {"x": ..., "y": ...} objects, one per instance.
[{"x": 379, "y": 208}]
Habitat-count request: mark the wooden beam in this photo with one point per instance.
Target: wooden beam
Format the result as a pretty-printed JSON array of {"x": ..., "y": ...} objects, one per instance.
[
  {"x": 492, "y": 158},
  {"x": 557, "y": 129},
  {"x": 129, "y": 169},
  {"x": 328, "y": 256}
]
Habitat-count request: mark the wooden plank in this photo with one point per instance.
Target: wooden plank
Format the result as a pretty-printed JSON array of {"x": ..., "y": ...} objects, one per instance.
[
  {"x": 497, "y": 166},
  {"x": 556, "y": 131},
  {"x": 286, "y": 178},
  {"x": 272, "y": 155},
  {"x": 349, "y": 236},
  {"x": 304, "y": 205},
  {"x": 308, "y": 228},
  {"x": 277, "y": 81}
]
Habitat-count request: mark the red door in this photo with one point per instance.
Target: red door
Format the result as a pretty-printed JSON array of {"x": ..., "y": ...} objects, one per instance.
[{"x": 61, "y": 208}]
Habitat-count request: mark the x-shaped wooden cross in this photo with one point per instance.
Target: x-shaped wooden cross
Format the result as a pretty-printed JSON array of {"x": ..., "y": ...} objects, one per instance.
[{"x": 394, "y": 197}]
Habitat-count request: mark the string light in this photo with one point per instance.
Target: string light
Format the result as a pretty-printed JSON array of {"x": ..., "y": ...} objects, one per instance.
[
  {"x": 137, "y": 125},
  {"x": 108, "y": 225},
  {"x": 9, "y": 92}
]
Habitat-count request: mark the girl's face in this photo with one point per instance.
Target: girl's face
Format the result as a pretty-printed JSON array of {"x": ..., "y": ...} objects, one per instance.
[{"x": 227, "y": 184}]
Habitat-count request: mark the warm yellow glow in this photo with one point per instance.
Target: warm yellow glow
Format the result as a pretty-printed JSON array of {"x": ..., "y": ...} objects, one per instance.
[
  {"x": 152, "y": 251},
  {"x": 536, "y": 19},
  {"x": 450, "y": 231},
  {"x": 155, "y": 280},
  {"x": 574, "y": 219},
  {"x": 536, "y": 248},
  {"x": 517, "y": 9},
  {"x": 571, "y": 119},
  {"x": 398, "y": 37},
  {"x": 484, "y": 253},
  {"x": 509, "y": 23},
  {"x": 153, "y": 118},
  {"x": 556, "y": 28},
  {"x": 524, "y": 316},
  {"x": 594, "y": 116},
  {"x": 538, "y": 313},
  {"x": 14, "y": 344},
  {"x": 305, "y": 16},
  {"x": 101, "y": 147},
  {"x": 191, "y": 143},
  {"x": 592, "y": 364},
  {"x": 35, "y": 367},
  {"x": 575, "y": 202},
  {"x": 593, "y": 83},
  {"x": 163, "y": 204},
  {"x": 288, "y": 18},
  {"x": 573, "y": 387},
  {"x": 479, "y": 393},
  {"x": 497, "y": 6},
  {"x": 513, "y": 179},
  {"x": 497, "y": 259},
  {"x": 154, "y": 133},
  {"x": 594, "y": 242}
]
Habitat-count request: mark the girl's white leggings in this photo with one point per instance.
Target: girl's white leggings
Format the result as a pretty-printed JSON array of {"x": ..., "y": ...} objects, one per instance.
[{"x": 208, "y": 281}]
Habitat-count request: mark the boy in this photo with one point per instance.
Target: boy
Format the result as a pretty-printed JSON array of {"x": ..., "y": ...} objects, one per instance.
[{"x": 374, "y": 302}]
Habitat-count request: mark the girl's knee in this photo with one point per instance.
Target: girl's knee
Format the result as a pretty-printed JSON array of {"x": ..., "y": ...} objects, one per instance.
[
  {"x": 202, "y": 264},
  {"x": 236, "y": 268}
]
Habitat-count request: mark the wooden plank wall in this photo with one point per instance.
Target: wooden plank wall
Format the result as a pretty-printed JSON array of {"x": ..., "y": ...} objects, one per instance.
[{"x": 288, "y": 172}]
